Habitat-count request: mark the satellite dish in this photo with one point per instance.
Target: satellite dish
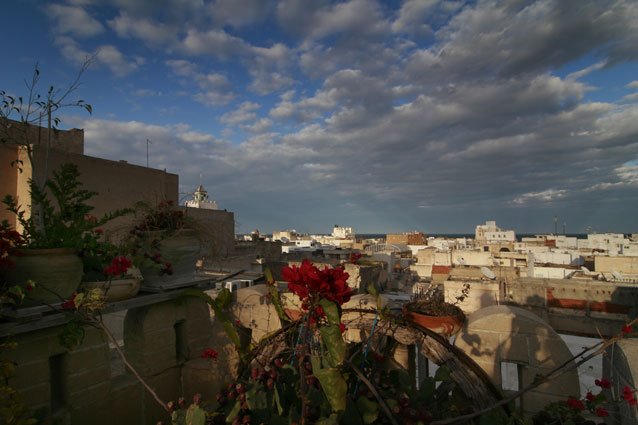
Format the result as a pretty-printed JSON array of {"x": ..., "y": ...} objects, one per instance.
[
  {"x": 461, "y": 261},
  {"x": 488, "y": 273},
  {"x": 617, "y": 275},
  {"x": 584, "y": 269}
]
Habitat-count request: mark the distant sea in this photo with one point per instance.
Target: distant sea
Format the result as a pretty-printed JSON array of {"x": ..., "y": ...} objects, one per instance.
[
  {"x": 463, "y": 235},
  {"x": 457, "y": 235}
]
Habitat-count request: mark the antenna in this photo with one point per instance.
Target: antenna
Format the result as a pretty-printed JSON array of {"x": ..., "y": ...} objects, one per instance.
[
  {"x": 147, "y": 142},
  {"x": 488, "y": 273}
]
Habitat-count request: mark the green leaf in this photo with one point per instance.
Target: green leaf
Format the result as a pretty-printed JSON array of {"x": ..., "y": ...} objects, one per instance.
[
  {"x": 442, "y": 374},
  {"x": 335, "y": 344},
  {"x": 351, "y": 416},
  {"x": 369, "y": 409},
  {"x": 334, "y": 387},
  {"x": 426, "y": 389},
  {"x": 330, "y": 420},
  {"x": 195, "y": 415},
  {"x": 331, "y": 310},
  {"x": 233, "y": 413},
  {"x": 256, "y": 399}
]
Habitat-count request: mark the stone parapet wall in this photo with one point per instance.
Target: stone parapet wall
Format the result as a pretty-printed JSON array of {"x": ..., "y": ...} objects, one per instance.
[{"x": 163, "y": 341}]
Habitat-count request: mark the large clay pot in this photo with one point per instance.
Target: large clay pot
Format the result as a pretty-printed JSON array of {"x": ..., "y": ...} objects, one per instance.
[
  {"x": 116, "y": 289},
  {"x": 57, "y": 273},
  {"x": 443, "y": 325},
  {"x": 181, "y": 249}
]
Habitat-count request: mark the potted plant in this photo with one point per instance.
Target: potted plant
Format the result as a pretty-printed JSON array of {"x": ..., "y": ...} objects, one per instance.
[
  {"x": 53, "y": 236},
  {"x": 429, "y": 310},
  {"x": 166, "y": 242},
  {"x": 108, "y": 267}
]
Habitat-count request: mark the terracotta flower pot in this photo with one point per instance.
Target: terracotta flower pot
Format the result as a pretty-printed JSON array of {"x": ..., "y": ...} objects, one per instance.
[
  {"x": 116, "y": 289},
  {"x": 57, "y": 273},
  {"x": 443, "y": 325},
  {"x": 181, "y": 250}
]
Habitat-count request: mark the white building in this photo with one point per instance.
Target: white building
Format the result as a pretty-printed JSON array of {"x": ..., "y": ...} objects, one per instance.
[
  {"x": 339, "y": 232},
  {"x": 200, "y": 200},
  {"x": 490, "y": 232}
]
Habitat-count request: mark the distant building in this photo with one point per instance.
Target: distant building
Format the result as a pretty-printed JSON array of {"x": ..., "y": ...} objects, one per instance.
[
  {"x": 200, "y": 200},
  {"x": 342, "y": 232},
  {"x": 284, "y": 235},
  {"x": 406, "y": 238},
  {"x": 490, "y": 232}
]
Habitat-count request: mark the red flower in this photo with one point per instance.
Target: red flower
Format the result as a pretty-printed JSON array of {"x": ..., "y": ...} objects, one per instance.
[
  {"x": 354, "y": 257},
  {"x": 119, "y": 265},
  {"x": 603, "y": 383},
  {"x": 30, "y": 286},
  {"x": 342, "y": 327},
  {"x": 589, "y": 396},
  {"x": 98, "y": 231},
  {"x": 627, "y": 393},
  {"x": 70, "y": 303},
  {"x": 601, "y": 412},
  {"x": 308, "y": 282},
  {"x": 209, "y": 353},
  {"x": 575, "y": 404},
  {"x": 627, "y": 329}
]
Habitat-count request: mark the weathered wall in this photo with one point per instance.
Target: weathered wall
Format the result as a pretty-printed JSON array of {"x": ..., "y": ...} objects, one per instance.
[
  {"x": 504, "y": 334},
  {"x": 622, "y": 264},
  {"x": 162, "y": 341},
  {"x": 620, "y": 366},
  {"x": 217, "y": 230}
]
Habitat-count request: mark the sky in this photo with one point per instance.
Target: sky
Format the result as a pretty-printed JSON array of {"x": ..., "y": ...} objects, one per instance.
[{"x": 383, "y": 116}]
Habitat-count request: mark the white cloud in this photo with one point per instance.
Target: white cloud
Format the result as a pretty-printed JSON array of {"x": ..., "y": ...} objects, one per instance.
[
  {"x": 632, "y": 85},
  {"x": 544, "y": 196},
  {"x": 114, "y": 59},
  {"x": 145, "y": 29},
  {"x": 213, "y": 42},
  {"x": 245, "y": 112},
  {"x": 74, "y": 21}
]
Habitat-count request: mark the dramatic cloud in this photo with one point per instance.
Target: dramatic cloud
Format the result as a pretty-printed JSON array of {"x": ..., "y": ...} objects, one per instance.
[{"x": 386, "y": 116}]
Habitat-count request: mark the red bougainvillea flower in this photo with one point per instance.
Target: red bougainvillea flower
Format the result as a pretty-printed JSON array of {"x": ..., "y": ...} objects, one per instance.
[
  {"x": 119, "y": 265},
  {"x": 627, "y": 329},
  {"x": 601, "y": 412},
  {"x": 603, "y": 383},
  {"x": 70, "y": 303},
  {"x": 589, "y": 396},
  {"x": 355, "y": 257},
  {"x": 98, "y": 231},
  {"x": 30, "y": 286},
  {"x": 209, "y": 353},
  {"x": 342, "y": 327},
  {"x": 575, "y": 404},
  {"x": 308, "y": 282},
  {"x": 628, "y": 395}
]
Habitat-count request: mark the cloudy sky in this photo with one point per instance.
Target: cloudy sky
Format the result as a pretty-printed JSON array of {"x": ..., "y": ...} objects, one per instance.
[{"x": 380, "y": 115}]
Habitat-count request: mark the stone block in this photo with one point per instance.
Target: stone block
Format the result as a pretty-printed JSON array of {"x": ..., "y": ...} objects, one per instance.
[
  {"x": 87, "y": 396},
  {"x": 126, "y": 401},
  {"x": 77, "y": 381},
  {"x": 151, "y": 318},
  {"x": 36, "y": 395},
  {"x": 89, "y": 357},
  {"x": 202, "y": 376},
  {"x": 168, "y": 387},
  {"x": 152, "y": 352},
  {"x": 30, "y": 374}
]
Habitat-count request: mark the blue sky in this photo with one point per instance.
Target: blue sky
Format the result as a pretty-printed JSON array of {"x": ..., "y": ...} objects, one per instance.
[{"x": 384, "y": 116}]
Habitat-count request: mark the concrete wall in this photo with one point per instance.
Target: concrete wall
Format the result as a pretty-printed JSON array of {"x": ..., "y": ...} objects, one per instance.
[
  {"x": 82, "y": 386},
  {"x": 511, "y": 344},
  {"x": 620, "y": 366},
  {"x": 622, "y": 264}
]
